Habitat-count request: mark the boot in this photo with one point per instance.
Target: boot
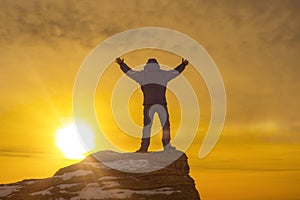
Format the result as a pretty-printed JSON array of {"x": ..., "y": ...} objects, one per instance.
[
  {"x": 144, "y": 145},
  {"x": 141, "y": 150},
  {"x": 169, "y": 147}
]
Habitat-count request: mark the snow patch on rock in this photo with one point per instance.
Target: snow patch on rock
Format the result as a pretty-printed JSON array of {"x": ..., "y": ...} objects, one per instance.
[
  {"x": 7, "y": 190},
  {"x": 63, "y": 186},
  {"x": 43, "y": 192},
  {"x": 106, "y": 178},
  {"x": 94, "y": 164},
  {"x": 129, "y": 165},
  {"x": 29, "y": 182},
  {"x": 77, "y": 173},
  {"x": 93, "y": 190},
  {"x": 109, "y": 184}
]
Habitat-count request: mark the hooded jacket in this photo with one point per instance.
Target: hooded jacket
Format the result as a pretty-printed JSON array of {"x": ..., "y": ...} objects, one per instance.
[{"x": 153, "y": 80}]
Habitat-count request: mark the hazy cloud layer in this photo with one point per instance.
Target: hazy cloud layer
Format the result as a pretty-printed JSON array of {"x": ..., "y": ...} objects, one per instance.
[
  {"x": 254, "y": 43},
  {"x": 271, "y": 22}
]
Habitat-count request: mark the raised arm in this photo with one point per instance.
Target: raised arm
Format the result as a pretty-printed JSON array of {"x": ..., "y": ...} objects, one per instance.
[
  {"x": 175, "y": 72},
  {"x": 123, "y": 65},
  {"x": 127, "y": 70},
  {"x": 181, "y": 67}
]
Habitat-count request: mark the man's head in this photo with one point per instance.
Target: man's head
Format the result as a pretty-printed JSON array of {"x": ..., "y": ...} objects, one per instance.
[
  {"x": 152, "y": 60},
  {"x": 152, "y": 64}
]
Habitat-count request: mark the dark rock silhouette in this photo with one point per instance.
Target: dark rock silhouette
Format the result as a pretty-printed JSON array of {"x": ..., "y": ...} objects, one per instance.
[{"x": 91, "y": 179}]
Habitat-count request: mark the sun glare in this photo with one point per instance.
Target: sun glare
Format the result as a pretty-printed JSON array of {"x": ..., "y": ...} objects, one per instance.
[{"x": 71, "y": 144}]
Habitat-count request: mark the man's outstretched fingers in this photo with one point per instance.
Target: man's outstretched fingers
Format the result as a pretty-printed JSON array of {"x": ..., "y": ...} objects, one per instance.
[
  {"x": 119, "y": 60},
  {"x": 185, "y": 61}
]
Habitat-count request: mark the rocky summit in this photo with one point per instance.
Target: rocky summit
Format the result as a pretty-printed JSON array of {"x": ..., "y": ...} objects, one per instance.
[{"x": 109, "y": 175}]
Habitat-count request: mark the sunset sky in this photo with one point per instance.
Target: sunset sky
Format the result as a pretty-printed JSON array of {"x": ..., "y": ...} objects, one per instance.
[{"x": 255, "y": 45}]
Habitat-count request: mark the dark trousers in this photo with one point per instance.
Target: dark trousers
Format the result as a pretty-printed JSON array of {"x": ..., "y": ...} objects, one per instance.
[{"x": 163, "y": 114}]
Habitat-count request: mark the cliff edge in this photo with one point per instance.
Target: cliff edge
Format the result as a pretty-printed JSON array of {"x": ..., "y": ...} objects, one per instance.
[{"x": 110, "y": 175}]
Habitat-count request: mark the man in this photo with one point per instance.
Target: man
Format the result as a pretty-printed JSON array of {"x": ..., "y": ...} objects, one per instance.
[{"x": 153, "y": 82}]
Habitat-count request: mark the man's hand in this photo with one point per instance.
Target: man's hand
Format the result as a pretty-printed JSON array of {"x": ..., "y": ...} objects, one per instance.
[
  {"x": 119, "y": 60},
  {"x": 184, "y": 61}
]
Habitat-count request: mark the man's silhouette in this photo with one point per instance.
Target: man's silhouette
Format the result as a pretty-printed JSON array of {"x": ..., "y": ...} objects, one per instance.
[{"x": 153, "y": 82}]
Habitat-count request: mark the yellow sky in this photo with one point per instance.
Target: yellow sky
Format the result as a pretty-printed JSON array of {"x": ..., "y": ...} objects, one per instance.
[{"x": 255, "y": 44}]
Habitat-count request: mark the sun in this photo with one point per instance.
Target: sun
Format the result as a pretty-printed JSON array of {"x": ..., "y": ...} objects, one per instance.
[{"x": 71, "y": 143}]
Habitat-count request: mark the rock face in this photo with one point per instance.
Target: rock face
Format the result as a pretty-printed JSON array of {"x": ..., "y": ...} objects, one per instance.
[{"x": 93, "y": 179}]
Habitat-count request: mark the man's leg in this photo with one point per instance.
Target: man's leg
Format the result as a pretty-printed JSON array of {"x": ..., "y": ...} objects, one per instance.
[
  {"x": 148, "y": 118},
  {"x": 165, "y": 123}
]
